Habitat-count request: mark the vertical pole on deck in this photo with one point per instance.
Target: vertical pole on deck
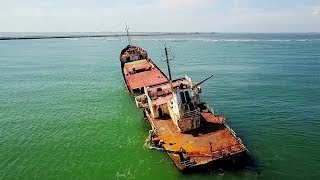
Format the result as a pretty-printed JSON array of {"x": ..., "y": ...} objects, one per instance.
[
  {"x": 168, "y": 65},
  {"x": 128, "y": 35}
]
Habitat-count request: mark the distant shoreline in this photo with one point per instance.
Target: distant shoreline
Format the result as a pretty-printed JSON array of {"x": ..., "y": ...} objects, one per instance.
[
  {"x": 216, "y": 36},
  {"x": 86, "y": 36}
]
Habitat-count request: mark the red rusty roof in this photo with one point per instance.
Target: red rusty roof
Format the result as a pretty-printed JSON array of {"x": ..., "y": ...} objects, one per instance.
[{"x": 145, "y": 78}]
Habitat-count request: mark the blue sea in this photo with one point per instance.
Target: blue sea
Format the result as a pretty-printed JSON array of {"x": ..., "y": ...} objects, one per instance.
[{"x": 65, "y": 112}]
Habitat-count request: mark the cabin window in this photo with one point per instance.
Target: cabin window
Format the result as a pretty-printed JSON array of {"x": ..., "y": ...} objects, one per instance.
[
  {"x": 186, "y": 107},
  {"x": 191, "y": 107},
  {"x": 182, "y": 98},
  {"x": 181, "y": 86},
  {"x": 188, "y": 99},
  {"x": 185, "y": 97},
  {"x": 160, "y": 112}
]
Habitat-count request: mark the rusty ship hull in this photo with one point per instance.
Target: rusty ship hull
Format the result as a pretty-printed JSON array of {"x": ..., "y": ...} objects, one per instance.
[{"x": 195, "y": 138}]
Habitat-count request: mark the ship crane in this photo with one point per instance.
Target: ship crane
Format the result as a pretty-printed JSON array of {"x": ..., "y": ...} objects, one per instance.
[{"x": 197, "y": 85}]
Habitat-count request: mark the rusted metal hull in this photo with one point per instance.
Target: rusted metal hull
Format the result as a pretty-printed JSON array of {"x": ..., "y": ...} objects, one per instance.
[
  {"x": 213, "y": 143},
  {"x": 235, "y": 161}
]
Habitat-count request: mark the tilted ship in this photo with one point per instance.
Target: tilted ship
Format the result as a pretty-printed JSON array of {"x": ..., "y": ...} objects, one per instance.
[{"x": 181, "y": 124}]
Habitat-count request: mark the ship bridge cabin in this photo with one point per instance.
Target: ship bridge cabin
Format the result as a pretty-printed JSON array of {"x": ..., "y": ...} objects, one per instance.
[{"x": 176, "y": 100}]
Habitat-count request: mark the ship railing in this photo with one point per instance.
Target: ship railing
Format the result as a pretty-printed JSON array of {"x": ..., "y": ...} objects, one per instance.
[
  {"x": 209, "y": 108},
  {"x": 228, "y": 151},
  {"x": 227, "y": 126},
  {"x": 186, "y": 163},
  {"x": 234, "y": 134},
  {"x": 221, "y": 153}
]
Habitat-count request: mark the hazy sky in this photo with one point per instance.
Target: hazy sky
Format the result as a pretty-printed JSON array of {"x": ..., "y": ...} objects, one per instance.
[{"x": 160, "y": 15}]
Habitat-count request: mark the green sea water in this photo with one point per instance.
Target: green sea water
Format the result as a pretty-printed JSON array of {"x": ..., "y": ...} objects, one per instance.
[{"x": 65, "y": 113}]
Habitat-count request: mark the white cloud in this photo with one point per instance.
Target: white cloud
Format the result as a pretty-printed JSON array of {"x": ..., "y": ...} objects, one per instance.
[{"x": 316, "y": 11}]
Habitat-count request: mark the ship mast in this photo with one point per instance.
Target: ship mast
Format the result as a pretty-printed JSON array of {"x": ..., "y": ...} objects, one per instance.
[
  {"x": 168, "y": 65},
  {"x": 128, "y": 35}
]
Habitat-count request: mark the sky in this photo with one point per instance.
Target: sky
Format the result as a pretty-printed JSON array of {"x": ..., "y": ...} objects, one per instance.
[{"x": 160, "y": 15}]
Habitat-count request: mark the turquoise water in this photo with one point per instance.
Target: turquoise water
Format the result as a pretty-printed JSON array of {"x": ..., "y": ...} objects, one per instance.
[{"x": 65, "y": 113}]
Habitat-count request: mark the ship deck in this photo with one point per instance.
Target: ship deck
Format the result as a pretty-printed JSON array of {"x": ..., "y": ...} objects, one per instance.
[
  {"x": 212, "y": 141},
  {"x": 149, "y": 75}
]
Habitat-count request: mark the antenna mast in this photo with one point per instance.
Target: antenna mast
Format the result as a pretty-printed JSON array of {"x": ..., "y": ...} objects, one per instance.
[
  {"x": 128, "y": 35},
  {"x": 168, "y": 65},
  {"x": 167, "y": 60}
]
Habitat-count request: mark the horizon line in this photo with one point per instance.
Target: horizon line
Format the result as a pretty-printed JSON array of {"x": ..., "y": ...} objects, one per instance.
[{"x": 177, "y": 32}]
